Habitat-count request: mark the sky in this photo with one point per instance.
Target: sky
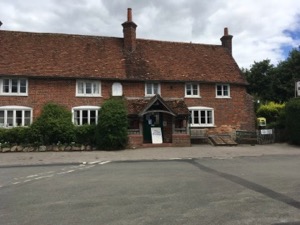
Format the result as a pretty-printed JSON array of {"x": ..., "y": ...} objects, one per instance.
[{"x": 261, "y": 29}]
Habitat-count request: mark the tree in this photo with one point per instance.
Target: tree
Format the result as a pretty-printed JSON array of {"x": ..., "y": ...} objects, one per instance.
[
  {"x": 111, "y": 131},
  {"x": 293, "y": 120},
  {"x": 287, "y": 73},
  {"x": 259, "y": 78},
  {"x": 274, "y": 83}
]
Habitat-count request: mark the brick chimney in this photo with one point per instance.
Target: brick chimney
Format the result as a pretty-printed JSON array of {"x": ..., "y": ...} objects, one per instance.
[
  {"x": 227, "y": 40},
  {"x": 129, "y": 28}
]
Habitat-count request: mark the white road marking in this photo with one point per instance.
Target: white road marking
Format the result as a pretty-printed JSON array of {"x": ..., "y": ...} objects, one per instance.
[
  {"x": 37, "y": 178},
  {"x": 104, "y": 162},
  {"x": 30, "y": 176},
  {"x": 91, "y": 163},
  {"x": 25, "y": 181},
  {"x": 65, "y": 172}
]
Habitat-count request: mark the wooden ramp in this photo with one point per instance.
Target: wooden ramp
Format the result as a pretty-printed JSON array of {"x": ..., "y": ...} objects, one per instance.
[{"x": 222, "y": 140}]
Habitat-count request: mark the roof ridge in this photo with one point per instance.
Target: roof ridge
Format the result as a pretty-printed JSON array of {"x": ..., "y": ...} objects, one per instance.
[{"x": 178, "y": 42}]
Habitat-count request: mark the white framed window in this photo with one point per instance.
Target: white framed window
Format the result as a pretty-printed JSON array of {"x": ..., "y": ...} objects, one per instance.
[
  {"x": 15, "y": 116},
  {"x": 222, "y": 91},
  {"x": 201, "y": 117},
  {"x": 88, "y": 88},
  {"x": 192, "y": 90},
  {"x": 14, "y": 86},
  {"x": 152, "y": 89},
  {"x": 85, "y": 115}
]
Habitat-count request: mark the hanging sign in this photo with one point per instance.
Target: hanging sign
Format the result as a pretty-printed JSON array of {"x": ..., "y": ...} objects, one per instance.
[{"x": 156, "y": 135}]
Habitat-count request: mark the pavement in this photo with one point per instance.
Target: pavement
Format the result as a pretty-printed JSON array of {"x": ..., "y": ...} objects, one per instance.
[{"x": 154, "y": 153}]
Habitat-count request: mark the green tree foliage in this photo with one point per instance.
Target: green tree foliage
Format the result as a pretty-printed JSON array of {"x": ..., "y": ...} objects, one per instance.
[
  {"x": 274, "y": 114},
  {"x": 111, "y": 131},
  {"x": 259, "y": 77},
  {"x": 293, "y": 120},
  {"x": 287, "y": 73},
  {"x": 274, "y": 83},
  {"x": 53, "y": 126}
]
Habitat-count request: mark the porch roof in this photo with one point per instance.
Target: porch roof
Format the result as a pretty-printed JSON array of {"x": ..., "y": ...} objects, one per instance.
[{"x": 140, "y": 106}]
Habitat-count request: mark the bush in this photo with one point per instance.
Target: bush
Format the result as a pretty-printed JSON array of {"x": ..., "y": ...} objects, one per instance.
[
  {"x": 111, "y": 131},
  {"x": 17, "y": 135},
  {"x": 293, "y": 120},
  {"x": 53, "y": 126},
  {"x": 274, "y": 114},
  {"x": 85, "y": 134}
]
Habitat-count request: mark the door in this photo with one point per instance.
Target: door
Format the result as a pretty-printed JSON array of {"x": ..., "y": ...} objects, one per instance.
[{"x": 151, "y": 120}]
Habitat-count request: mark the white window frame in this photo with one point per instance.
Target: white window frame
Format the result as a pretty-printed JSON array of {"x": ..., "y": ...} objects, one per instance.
[
  {"x": 223, "y": 95},
  {"x": 94, "y": 86},
  {"x": 11, "y": 86},
  {"x": 206, "y": 111},
  {"x": 81, "y": 109},
  {"x": 6, "y": 109},
  {"x": 191, "y": 89},
  {"x": 152, "y": 88}
]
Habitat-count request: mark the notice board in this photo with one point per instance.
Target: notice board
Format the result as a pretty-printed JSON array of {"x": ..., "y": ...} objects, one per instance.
[{"x": 156, "y": 135}]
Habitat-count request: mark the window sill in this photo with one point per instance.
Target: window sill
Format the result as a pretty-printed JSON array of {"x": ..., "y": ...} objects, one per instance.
[
  {"x": 192, "y": 96},
  {"x": 202, "y": 126},
  {"x": 89, "y": 96},
  {"x": 14, "y": 95},
  {"x": 226, "y": 97}
]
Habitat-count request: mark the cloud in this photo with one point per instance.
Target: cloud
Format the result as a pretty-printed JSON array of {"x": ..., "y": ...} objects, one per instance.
[{"x": 262, "y": 29}]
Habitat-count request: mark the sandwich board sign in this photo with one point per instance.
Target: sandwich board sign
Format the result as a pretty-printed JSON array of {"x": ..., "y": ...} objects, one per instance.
[
  {"x": 156, "y": 135},
  {"x": 298, "y": 89}
]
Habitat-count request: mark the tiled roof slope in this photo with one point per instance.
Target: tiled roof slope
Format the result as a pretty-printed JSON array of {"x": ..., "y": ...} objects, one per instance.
[{"x": 62, "y": 55}]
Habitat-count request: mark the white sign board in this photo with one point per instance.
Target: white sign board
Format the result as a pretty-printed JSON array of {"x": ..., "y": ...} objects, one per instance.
[
  {"x": 156, "y": 135},
  {"x": 298, "y": 88},
  {"x": 266, "y": 131}
]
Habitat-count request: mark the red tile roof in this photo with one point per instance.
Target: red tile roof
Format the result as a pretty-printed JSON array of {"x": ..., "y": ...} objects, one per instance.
[{"x": 62, "y": 55}]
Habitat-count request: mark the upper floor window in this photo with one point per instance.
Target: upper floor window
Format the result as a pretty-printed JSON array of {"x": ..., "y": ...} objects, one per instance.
[
  {"x": 222, "y": 91},
  {"x": 88, "y": 88},
  {"x": 15, "y": 116},
  {"x": 152, "y": 89},
  {"x": 192, "y": 90},
  {"x": 201, "y": 117},
  {"x": 14, "y": 86},
  {"x": 85, "y": 115}
]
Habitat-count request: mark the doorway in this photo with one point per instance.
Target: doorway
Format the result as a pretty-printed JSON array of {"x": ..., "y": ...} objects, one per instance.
[{"x": 153, "y": 119}]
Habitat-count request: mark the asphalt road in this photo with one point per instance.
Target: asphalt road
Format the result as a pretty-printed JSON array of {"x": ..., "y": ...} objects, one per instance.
[{"x": 241, "y": 190}]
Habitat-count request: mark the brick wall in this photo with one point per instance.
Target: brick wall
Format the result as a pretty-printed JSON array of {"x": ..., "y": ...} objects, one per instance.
[{"x": 230, "y": 114}]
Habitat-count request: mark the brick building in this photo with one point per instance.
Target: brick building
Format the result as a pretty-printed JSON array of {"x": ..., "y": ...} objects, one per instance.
[{"x": 173, "y": 86}]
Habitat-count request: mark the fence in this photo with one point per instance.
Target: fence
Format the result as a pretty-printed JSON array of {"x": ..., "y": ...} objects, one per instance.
[{"x": 264, "y": 136}]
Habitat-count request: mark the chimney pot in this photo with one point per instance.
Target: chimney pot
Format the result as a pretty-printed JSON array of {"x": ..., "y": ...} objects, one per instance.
[
  {"x": 129, "y": 15},
  {"x": 225, "y": 31}
]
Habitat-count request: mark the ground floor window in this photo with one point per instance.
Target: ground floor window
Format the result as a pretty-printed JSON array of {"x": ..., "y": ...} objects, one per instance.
[
  {"x": 15, "y": 116},
  {"x": 201, "y": 117},
  {"x": 85, "y": 115}
]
